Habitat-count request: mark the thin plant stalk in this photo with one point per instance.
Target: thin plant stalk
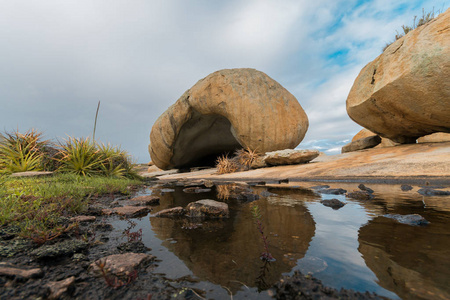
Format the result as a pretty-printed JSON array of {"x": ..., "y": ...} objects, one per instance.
[{"x": 95, "y": 122}]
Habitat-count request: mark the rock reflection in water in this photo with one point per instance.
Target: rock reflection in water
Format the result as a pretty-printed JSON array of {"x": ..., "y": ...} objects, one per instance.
[
  {"x": 412, "y": 261},
  {"x": 227, "y": 252}
]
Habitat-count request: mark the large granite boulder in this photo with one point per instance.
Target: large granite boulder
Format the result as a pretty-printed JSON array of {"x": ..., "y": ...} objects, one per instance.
[
  {"x": 226, "y": 111},
  {"x": 405, "y": 92}
]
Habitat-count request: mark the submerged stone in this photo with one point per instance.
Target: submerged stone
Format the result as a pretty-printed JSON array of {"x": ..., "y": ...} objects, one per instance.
[
  {"x": 412, "y": 219},
  {"x": 333, "y": 203}
]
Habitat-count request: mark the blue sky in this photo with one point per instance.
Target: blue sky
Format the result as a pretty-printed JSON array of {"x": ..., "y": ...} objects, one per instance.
[{"x": 59, "y": 58}]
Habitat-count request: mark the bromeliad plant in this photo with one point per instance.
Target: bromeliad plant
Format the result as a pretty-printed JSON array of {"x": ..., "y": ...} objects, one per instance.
[{"x": 22, "y": 152}]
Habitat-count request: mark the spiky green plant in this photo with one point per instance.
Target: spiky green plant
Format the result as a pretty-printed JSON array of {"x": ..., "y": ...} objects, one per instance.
[
  {"x": 80, "y": 156},
  {"x": 114, "y": 160},
  {"x": 22, "y": 152}
]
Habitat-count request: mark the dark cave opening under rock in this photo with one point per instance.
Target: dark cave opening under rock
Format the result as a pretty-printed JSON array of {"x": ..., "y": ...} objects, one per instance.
[{"x": 202, "y": 139}]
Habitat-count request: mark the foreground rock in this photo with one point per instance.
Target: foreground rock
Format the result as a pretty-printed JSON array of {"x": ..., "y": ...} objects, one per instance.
[
  {"x": 207, "y": 208},
  {"x": 122, "y": 264},
  {"x": 225, "y": 111},
  {"x": 413, "y": 219},
  {"x": 64, "y": 248},
  {"x": 289, "y": 157},
  {"x": 58, "y": 288},
  {"x": 171, "y": 212},
  {"x": 364, "y": 143},
  {"x": 405, "y": 92},
  {"x": 307, "y": 287},
  {"x": 333, "y": 203},
  {"x": 13, "y": 271}
]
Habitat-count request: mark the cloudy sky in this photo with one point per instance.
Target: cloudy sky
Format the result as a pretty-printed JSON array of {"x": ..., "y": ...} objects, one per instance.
[{"x": 59, "y": 58}]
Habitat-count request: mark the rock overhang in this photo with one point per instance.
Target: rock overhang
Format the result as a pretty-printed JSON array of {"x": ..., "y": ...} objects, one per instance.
[{"x": 225, "y": 111}]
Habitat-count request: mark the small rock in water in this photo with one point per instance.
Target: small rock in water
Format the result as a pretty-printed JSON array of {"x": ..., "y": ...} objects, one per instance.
[
  {"x": 338, "y": 191},
  {"x": 406, "y": 187},
  {"x": 333, "y": 203},
  {"x": 196, "y": 190},
  {"x": 362, "y": 187},
  {"x": 171, "y": 212},
  {"x": 247, "y": 197},
  {"x": 412, "y": 219},
  {"x": 360, "y": 195},
  {"x": 146, "y": 200},
  {"x": 208, "y": 208},
  {"x": 433, "y": 192}
]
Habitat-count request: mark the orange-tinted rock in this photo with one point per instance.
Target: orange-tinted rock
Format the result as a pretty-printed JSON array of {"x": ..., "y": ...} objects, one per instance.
[
  {"x": 437, "y": 137},
  {"x": 225, "y": 111},
  {"x": 405, "y": 92}
]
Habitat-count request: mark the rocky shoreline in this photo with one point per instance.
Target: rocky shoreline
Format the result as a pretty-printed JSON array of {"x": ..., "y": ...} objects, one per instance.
[{"x": 71, "y": 266}]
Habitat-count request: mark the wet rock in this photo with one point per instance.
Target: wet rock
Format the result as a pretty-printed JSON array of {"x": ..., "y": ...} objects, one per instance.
[
  {"x": 13, "y": 271},
  {"x": 299, "y": 286},
  {"x": 364, "y": 143},
  {"x": 362, "y": 187},
  {"x": 83, "y": 219},
  {"x": 406, "y": 187},
  {"x": 171, "y": 212},
  {"x": 360, "y": 195},
  {"x": 103, "y": 227},
  {"x": 412, "y": 219},
  {"x": 122, "y": 264},
  {"x": 196, "y": 190},
  {"x": 290, "y": 157},
  {"x": 208, "y": 208},
  {"x": 146, "y": 200},
  {"x": 64, "y": 248},
  {"x": 58, "y": 288},
  {"x": 327, "y": 191},
  {"x": 333, "y": 203},
  {"x": 268, "y": 194},
  {"x": 15, "y": 247},
  {"x": 433, "y": 192},
  {"x": 320, "y": 187},
  {"x": 135, "y": 246},
  {"x": 132, "y": 211},
  {"x": 249, "y": 197}
]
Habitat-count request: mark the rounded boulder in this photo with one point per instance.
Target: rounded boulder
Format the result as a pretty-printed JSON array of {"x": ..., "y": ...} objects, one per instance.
[
  {"x": 405, "y": 92},
  {"x": 227, "y": 110}
]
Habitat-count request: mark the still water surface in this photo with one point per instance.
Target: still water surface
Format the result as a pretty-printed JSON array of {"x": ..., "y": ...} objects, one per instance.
[{"x": 354, "y": 247}]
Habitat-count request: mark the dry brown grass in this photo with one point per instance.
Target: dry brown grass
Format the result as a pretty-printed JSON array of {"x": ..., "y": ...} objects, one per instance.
[
  {"x": 226, "y": 165},
  {"x": 246, "y": 157}
]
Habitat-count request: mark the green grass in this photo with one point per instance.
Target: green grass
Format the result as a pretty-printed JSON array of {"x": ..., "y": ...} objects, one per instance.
[{"x": 36, "y": 205}]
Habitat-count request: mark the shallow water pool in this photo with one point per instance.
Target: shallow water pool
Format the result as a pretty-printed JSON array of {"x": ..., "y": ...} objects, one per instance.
[{"x": 354, "y": 247}]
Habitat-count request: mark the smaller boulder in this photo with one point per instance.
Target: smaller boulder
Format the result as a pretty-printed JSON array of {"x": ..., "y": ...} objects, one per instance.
[
  {"x": 207, "y": 208},
  {"x": 171, "y": 212},
  {"x": 412, "y": 219},
  {"x": 433, "y": 192},
  {"x": 289, "y": 157},
  {"x": 364, "y": 143},
  {"x": 438, "y": 137},
  {"x": 333, "y": 203}
]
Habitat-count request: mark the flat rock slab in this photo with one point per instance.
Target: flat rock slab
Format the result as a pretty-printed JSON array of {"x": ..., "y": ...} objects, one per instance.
[
  {"x": 131, "y": 211},
  {"x": 60, "y": 249},
  {"x": 171, "y": 212},
  {"x": 13, "y": 271},
  {"x": 208, "y": 208},
  {"x": 82, "y": 219},
  {"x": 122, "y": 264},
  {"x": 412, "y": 162},
  {"x": 433, "y": 192},
  {"x": 146, "y": 200},
  {"x": 289, "y": 157},
  {"x": 58, "y": 288},
  {"x": 31, "y": 174},
  {"x": 412, "y": 219}
]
